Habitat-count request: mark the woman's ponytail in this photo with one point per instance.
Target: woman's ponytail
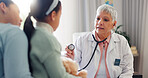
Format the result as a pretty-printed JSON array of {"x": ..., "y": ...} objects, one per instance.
[{"x": 29, "y": 30}]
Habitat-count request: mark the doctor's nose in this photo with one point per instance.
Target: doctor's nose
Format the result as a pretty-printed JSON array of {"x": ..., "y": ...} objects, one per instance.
[{"x": 100, "y": 22}]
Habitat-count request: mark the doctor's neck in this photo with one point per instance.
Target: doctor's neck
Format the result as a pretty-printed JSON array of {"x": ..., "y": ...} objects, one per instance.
[{"x": 102, "y": 36}]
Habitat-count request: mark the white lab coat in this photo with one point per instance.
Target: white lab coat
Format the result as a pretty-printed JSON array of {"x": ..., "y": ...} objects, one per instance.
[{"x": 118, "y": 49}]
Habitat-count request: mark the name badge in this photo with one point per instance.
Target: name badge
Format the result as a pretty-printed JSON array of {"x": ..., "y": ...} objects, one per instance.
[{"x": 117, "y": 62}]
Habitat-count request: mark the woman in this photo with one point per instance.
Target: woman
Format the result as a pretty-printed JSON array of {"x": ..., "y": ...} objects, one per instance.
[
  {"x": 44, "y": 49},
  {"x": 13, "y": 43},
  {"x": 112, "y": 57}
]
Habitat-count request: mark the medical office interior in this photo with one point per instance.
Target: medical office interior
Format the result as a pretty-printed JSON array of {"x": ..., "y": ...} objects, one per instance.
[{"x": 78, "y": 17}]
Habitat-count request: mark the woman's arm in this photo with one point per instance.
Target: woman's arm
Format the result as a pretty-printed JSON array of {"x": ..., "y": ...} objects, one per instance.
[{"x": 55, "y": 67}]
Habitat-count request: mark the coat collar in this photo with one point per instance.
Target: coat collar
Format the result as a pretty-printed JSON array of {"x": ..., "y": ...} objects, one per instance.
[
  {"x": 45, "y": 26},
  {"x": 114, "y": 39}
]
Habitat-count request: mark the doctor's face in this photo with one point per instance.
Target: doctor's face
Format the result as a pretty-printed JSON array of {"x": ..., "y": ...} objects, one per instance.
[{"x": 104, "y": 23}]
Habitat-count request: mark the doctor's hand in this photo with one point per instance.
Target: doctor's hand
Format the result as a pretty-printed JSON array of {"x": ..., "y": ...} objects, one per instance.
[{"x": 70, "y": 53}]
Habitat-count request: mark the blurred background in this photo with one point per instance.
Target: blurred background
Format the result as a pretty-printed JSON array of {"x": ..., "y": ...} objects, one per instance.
[{"x": 78, "y": 16}]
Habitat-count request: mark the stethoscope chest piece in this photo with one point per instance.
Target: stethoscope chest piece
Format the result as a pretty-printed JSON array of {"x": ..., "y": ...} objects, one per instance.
[{"x": 71, "y": 47}]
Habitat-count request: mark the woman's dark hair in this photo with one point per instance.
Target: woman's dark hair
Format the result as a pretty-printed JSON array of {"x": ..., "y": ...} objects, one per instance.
[
  {"x": 7, "y": 2},
  {"x": 38, "y": 11}
]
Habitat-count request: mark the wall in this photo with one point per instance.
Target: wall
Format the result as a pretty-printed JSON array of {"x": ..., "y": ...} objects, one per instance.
[
  {"x": 118, "y": 6},
  {"x": 145, "y": 56},
  {"x": 69, "y": 22},
  {"x": 145, "y": 51}
]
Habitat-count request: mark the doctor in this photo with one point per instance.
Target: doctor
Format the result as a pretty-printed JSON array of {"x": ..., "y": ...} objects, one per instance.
[{"x": 102, "y": 53}]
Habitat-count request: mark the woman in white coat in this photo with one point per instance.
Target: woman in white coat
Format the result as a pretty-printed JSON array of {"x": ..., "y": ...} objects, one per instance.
[{"x": 111, "y": 58}]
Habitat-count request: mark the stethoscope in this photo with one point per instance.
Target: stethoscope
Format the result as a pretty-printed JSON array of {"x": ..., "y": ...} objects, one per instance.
[{"x": 93, "y": 51}]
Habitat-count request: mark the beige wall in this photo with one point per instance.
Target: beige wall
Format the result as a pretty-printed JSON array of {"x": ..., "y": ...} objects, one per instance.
[
  {"x": 145, "y": 52},
  {"x": 145, "y": 57}
]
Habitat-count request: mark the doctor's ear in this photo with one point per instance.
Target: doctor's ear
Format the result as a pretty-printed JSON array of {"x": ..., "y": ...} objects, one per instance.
[{"x": 115, "y": 22}]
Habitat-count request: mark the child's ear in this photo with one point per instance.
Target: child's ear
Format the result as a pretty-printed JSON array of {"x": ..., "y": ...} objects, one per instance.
[
  {"x": 53, "y": 15},
  {"x": 3, "y": 7}
]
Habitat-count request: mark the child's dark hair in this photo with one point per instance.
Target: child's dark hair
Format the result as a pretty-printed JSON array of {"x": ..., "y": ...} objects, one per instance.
[
  {"x": 7, "y": 2},
  {"x": 38, "y": 11},
  {"x": 39, "y": 14}
]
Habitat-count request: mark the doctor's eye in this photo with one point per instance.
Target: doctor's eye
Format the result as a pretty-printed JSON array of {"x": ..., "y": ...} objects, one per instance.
[
  {"x": 98, "y": 18},
  {"x": 106, "y": 20}
]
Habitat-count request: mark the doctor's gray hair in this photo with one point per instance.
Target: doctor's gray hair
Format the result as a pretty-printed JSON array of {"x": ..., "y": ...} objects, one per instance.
[{"x": 109, "y": 9}]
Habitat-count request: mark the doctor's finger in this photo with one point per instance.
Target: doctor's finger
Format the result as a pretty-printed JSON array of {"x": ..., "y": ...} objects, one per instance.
[
  {"x": 70, "y": 55},
  {"x": 69, "y": 51},
  {"x": 66, "y": 47}
]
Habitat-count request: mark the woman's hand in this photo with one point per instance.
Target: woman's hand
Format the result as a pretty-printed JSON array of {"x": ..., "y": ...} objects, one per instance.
[{"x": 70, "y": 53}]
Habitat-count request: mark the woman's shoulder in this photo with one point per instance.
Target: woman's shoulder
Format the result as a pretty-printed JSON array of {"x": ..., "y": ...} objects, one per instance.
[
  {"x": 43, "y": 36},
  {"x": 8, "y": 27},
  {"x": 10, "y": 30}
]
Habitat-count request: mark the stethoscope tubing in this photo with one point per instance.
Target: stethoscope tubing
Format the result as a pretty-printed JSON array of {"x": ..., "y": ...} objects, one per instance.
[{"x": 93, "y": 51}]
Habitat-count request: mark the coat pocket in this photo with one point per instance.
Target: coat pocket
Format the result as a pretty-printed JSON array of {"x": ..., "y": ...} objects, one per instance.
[{"x": 117, "y": 71}]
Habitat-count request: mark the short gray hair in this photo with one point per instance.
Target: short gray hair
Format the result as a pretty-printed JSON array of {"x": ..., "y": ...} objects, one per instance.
[{"x": 109, "y": 9}]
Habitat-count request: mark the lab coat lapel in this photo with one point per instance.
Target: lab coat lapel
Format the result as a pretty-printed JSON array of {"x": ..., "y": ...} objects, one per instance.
[
  {"x": 111, "y": 45},
  {"x": 94, "y": 43}
]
